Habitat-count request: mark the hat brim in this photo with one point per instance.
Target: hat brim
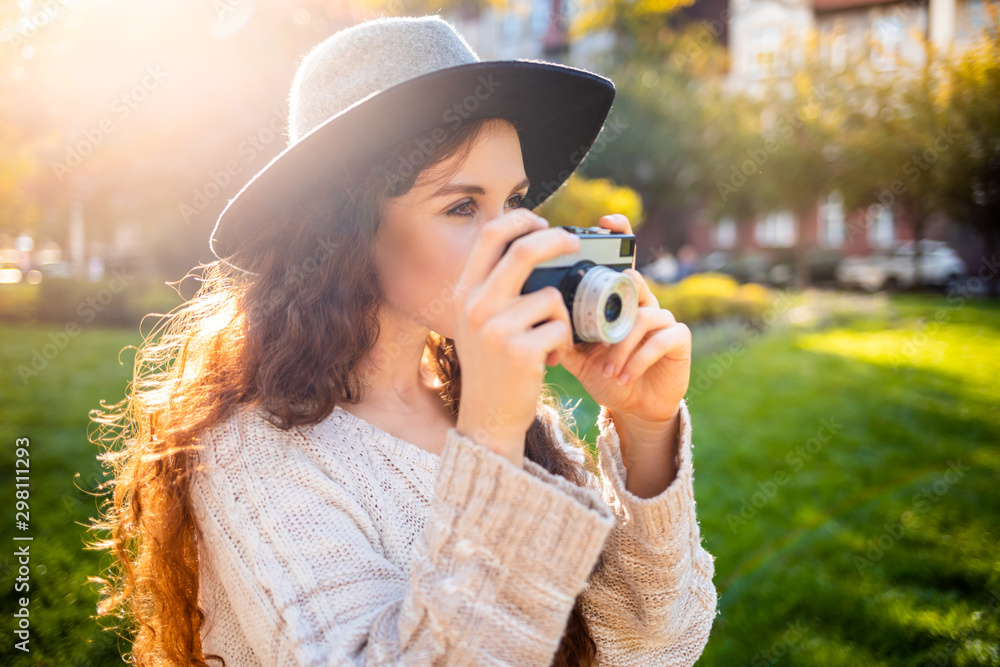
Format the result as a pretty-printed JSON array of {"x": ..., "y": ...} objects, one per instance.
[{"x": 561, "y": 109}]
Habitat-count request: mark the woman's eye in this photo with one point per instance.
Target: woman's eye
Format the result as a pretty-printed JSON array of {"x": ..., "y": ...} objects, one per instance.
[
  {"x": 466, "y": 213},
  {"x": 458, "y": 209}
]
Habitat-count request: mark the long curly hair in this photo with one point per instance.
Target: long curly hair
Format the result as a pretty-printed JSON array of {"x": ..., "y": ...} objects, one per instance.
[{"x": 288, "y": 339}]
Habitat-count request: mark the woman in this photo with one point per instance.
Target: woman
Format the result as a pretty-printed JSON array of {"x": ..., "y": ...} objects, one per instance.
[{"x": 340, "y": 451}]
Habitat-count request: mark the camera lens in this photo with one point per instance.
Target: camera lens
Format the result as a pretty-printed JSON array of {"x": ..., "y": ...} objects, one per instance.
[
  {"x": 605, "y": 304},
  {"x": 613, "y": 308}
]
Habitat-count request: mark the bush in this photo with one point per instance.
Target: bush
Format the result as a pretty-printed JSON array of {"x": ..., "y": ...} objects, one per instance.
[
  {"x": 752, "y": 300},
  {"x": 582, "y": 202},
  {"x": 709, "y": 296},
  {"x": 18, "y": 302}
]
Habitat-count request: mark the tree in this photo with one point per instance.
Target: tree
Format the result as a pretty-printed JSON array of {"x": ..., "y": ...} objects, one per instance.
[
  {"x": 147, "y": 129},
  {"x": 971, "y": 191},
  {"x": 642, "y": 28},
  {"x": 801, "y": 122},
  {"x": 894, "y": 138},
  {"x": 654, "y": 139},
  {"x": 924, "y": 139},
  {"x": 18, "y": 212},
  {"x": 731, "y": 132}
]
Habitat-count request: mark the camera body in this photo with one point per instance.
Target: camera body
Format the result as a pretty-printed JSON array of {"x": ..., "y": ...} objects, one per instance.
[{"x": 601, "y": 300}]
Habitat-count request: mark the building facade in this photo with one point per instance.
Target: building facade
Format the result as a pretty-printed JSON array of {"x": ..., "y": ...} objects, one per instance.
[{"x": 766, "y": 40}]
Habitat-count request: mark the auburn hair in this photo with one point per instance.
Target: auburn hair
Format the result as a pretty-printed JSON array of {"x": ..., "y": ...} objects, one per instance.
[{"x": 287, "y": 337}]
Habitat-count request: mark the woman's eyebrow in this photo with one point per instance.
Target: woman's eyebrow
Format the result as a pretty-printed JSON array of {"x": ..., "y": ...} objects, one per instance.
[{"x": 453, "y": 188}]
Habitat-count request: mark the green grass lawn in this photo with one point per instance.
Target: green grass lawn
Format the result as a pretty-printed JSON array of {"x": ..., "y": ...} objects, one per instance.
[
  {"x": 51, "y": 409},
  {"x": 847, "y": 479},
  {"x": 874, "y": 540},
  {"x": 871, "y": 552}
]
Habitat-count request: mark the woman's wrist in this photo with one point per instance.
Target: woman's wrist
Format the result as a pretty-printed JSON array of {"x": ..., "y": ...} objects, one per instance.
[{"x": 649, "y": 452}]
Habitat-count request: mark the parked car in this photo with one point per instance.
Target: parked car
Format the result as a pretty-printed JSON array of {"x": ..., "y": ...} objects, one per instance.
[
  {"x": 774, "y": 266},
  {"x": 823, "y": 264},
  {"x": 894, "y": 267},
  {"x": 748, "y": 267}
]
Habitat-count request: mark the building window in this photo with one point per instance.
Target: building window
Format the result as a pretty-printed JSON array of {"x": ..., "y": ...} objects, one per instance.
[
  {"x": 887, "y": 42},
  {"x": 725, "y": 233},
  {"x": 831, "y": 220},
  {"x": 881, "y": 226},
  {"x": 775, "y": 229}
]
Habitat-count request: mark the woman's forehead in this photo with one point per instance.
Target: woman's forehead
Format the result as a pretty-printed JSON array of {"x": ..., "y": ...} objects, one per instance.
[{"x": 494, "y": 157}]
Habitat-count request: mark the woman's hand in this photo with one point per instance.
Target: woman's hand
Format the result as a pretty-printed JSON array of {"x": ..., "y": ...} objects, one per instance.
[
  {"x": 502, "y": 355},
  {"x": 641, "y": 379}
]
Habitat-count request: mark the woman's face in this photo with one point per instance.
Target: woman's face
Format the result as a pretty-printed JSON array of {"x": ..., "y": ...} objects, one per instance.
[{"x": 425, "y": 235}]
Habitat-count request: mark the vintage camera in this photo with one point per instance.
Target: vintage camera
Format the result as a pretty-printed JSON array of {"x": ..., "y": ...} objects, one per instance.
[{"x": 602, "y": 301}]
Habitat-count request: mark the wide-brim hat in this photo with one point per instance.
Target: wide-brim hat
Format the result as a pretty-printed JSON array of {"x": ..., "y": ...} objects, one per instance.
[{"x": 373, "y": 84}]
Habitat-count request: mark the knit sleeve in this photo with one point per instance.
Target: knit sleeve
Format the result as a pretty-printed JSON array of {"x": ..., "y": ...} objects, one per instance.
[
  {"x": 492, "y": 580},
  {"x": 652, "y": 601}
]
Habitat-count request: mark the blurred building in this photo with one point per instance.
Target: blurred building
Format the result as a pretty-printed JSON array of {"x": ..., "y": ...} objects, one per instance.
[
  {"x": 765, "y": 40},
  {"x": 767, "y": 35}
]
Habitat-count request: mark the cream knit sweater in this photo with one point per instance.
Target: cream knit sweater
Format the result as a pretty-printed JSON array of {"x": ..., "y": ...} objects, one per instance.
[{"x": 340, "y": 544}]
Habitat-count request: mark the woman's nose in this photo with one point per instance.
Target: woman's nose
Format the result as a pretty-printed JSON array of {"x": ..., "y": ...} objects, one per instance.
[{"x": 495, "y": 211}]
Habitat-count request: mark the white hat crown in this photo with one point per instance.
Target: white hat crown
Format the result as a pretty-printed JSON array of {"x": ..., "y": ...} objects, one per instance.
[
  {"x": 377, "y": 83},
  {"x": 363, "y": 59}
]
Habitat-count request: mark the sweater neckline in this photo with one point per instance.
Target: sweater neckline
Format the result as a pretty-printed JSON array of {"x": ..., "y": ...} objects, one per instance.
[{"x": 394, "y": 445}]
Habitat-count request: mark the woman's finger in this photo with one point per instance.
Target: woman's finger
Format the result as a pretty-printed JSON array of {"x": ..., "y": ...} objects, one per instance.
[
  {"x": 528, "y": 310},
  {"x": 490, "y": 243},
  {"x": 616, "y": 222},
  {"x": 646, "y": 320},
  {"x": 535, "y": 345},
  {"x": 513, "y": 269},
  {"x": 646, "y": 296},
  {"x": 657, "y": 346}
]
